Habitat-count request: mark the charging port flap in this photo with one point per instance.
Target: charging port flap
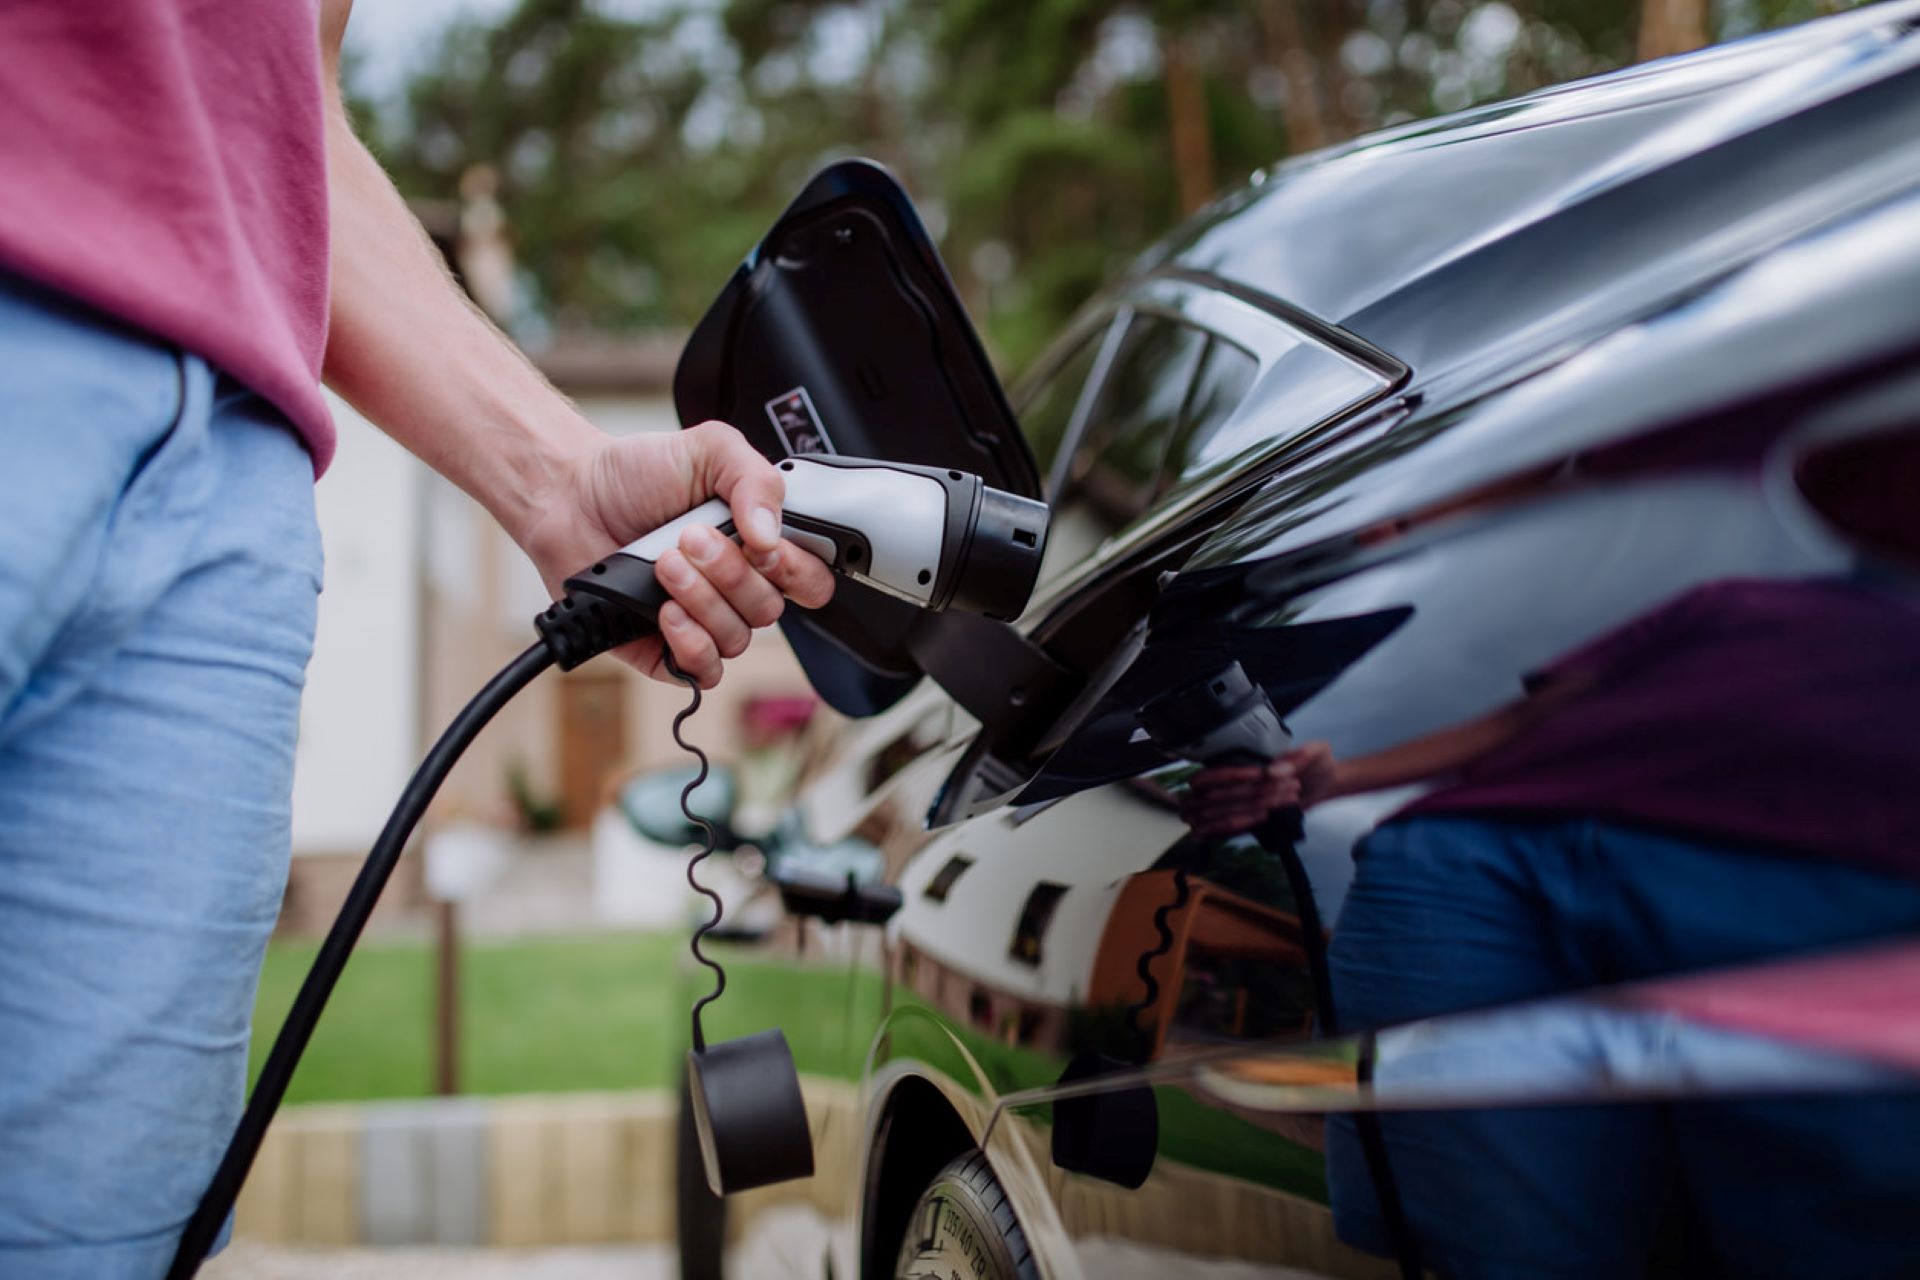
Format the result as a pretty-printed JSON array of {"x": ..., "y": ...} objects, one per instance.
[{"x": 842, "y": 333}]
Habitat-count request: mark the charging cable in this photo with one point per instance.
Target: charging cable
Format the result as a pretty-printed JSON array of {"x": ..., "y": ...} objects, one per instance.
[
  {"x": 708, "y": 841},
  {"x": 203, "y": 1228},
  {"x": 933, "y": 537}
]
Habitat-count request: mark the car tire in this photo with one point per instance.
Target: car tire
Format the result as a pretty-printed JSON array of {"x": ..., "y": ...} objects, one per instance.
[
  {"x": 963, "y": 1225},
  {"x": 700, "y": 1215}
]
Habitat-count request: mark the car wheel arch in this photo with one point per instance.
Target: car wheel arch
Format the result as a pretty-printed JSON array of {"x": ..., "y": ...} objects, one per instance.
[{"x": 917, "y": 1133}]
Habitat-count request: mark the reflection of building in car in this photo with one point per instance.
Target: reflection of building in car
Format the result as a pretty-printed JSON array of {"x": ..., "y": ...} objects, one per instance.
[
  {"x": 1232, "y": 969},
  {"x": 1230, "y": 963}
]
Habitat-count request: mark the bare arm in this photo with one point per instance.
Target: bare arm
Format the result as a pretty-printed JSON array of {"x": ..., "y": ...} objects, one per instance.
[
  {"x": 1234, "y": 798},
  {"x": 407, "y": 349},
  {"x": 1442, "y": 752}
]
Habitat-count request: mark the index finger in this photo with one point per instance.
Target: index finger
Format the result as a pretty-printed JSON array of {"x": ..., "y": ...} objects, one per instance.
[{"x": 725, "y": 464}]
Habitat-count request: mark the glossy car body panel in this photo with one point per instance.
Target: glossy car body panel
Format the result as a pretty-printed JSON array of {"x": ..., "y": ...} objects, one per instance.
[{"x": 1553, "y": 366}]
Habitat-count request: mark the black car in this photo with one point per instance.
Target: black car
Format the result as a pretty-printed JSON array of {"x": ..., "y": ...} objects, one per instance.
[{"x": 1349, "y": 460}]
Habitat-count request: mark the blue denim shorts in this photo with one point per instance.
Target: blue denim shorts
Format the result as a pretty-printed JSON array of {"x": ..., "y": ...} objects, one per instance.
[{"x": 159, "y": 572}]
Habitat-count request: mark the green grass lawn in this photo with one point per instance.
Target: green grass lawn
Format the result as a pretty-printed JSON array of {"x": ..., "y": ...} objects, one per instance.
[
  {"x": 609, "y": 1011},
  {"x": 548, "y": 1015}
]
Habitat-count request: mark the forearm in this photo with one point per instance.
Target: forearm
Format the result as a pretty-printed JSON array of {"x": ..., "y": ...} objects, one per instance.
[
  {"x": 409, "y": 351},
  {"x": 1435, "y": 755}
]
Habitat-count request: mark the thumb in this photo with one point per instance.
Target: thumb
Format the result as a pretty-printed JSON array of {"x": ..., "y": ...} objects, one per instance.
[{"x": 723, "y": 463}]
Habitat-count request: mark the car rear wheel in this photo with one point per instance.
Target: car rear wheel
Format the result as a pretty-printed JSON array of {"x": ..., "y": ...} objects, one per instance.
[{"x": 964, "y": 1226}]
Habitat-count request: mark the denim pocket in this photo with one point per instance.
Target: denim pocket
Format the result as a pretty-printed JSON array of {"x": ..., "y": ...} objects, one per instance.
[
  {"x": 149, "y": 532},
  {"x": 86, "y": 405}
]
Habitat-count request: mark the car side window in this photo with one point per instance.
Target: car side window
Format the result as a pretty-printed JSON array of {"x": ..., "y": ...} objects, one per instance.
[
  {"x": 1046, "y": 408},
  {"x": 1226, "y": 374},
  {"x": 1116, "y": 463}
]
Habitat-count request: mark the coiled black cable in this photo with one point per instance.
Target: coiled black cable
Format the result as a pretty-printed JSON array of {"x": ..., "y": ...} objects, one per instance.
[
  {"x": 203, "y": 1228},
  {"x": 1182, "y": 892},
  {"x": 708, "y": 840}
]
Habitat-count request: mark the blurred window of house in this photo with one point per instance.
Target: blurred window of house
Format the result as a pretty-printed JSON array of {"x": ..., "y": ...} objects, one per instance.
[
  {"x": 1029, "y": 934},
  {"x": 942, "y": 883}
]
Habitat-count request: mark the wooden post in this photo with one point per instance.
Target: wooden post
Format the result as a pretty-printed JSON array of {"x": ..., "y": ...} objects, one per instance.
[
  {"x": 1287, "y": 51},
  {"x": 1671, "y": 26},
  {"x": 446, "y": 1023}
]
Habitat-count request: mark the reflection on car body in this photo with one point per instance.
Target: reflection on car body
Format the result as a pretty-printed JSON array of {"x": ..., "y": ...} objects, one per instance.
[{"x": 1648, "y": 354}]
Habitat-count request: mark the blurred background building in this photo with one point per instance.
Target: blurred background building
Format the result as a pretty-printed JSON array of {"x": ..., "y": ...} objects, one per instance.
[{"x": 426, "y": 598}]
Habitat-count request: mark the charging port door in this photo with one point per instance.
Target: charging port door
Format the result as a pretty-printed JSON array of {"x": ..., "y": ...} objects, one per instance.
[{"x": 842, "y": 333}]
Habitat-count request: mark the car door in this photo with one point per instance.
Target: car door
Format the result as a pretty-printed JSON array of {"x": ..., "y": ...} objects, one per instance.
[
  {"x": 1141, "y": 1007},
  {"x": 1130, "y": 1019},
  {"x": 1025, "y": 926}
]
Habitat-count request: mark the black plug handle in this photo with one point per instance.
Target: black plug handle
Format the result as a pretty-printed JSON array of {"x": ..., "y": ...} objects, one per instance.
[{"x": 615, "y": 602}]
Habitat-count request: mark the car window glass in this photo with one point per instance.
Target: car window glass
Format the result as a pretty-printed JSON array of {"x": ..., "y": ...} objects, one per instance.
[
  {"x": 1116, "y": 461},
  {"x": 1226, "y": 372},
  {"x": 1046, "y": 408}
]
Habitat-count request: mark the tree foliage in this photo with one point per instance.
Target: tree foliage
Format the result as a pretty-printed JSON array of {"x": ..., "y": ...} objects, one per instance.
[{"x": 640, "y": 150}]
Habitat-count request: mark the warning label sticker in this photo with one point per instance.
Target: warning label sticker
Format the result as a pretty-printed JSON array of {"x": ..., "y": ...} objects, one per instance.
[{"x": 798, "y": 424}]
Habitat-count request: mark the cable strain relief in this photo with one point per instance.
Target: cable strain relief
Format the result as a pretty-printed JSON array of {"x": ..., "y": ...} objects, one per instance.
[{"x": 576, "y": 628}]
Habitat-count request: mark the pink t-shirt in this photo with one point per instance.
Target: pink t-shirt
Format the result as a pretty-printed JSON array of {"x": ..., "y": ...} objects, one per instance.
[
  {"x": 165, "y": 162},
  {"x": 1773, "y": 713}
]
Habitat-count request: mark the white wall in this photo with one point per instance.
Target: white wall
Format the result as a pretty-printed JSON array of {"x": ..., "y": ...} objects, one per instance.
[
  {"x": 389, "y": 527},
  {"x": 628, "y": 415},
  {"x": 359, "y": 737}
]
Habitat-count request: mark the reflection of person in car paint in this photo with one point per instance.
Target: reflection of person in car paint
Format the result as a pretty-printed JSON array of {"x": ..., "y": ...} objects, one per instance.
[{"x": 1728, "y": 778}]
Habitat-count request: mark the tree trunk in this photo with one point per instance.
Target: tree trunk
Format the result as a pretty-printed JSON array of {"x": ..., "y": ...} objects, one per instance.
[
  {"x": 1287, "y": 51},
  {"x": 1671, "y": 26},
  {"x": 1332, "y": 21},
  {"x": 1187, "y": 118}
]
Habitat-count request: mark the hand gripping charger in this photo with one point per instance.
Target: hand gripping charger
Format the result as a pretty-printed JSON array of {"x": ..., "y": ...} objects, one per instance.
[{"x": 936, "y": 538}]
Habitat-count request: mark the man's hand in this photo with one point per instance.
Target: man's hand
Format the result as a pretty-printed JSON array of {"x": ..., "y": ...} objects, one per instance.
[
  {"x": 1229, "y": 799},
  {"x": 615, "y": 490},
  {"x": 406, "y": 348}
]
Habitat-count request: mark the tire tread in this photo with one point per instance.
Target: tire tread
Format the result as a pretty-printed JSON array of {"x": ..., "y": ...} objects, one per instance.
[{"x": 972, "y": 1173}]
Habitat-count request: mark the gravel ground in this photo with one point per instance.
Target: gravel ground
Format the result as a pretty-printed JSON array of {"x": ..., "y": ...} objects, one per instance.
[{"x": 248, "y": 1261}]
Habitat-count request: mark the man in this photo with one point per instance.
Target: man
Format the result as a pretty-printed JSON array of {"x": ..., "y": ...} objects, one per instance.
[{"x": 174, "y": 174}]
